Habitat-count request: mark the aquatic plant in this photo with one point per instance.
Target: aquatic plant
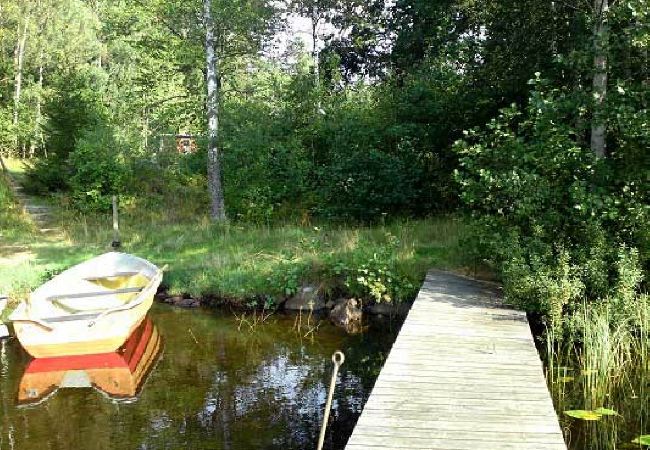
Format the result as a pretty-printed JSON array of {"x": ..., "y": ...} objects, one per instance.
[{"x": 599, "y": 356}]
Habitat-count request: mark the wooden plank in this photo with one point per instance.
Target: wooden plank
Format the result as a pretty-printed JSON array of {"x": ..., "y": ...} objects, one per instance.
[
  {"x": 432, "y": 378},
  {"x": 495, "y": 407},
  {"x": 512, "y": 436},
  {"x": 461, "y": 394},
  {"x": 463, "y": 373},
  {"x": 467, "y": 358},
  {"x": 473, "y": 442}
]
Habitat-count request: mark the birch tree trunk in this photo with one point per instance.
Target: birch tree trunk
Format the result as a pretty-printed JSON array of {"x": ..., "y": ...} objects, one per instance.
[
  {"x": 37, "y": 141},
  {"x": 315, "y": 18},
  {"x": 599, "y": 84},
  {"x": 18, "y": 78},
  {"x": 217, "y": 207},
  {"x": 37, "y": 135}
]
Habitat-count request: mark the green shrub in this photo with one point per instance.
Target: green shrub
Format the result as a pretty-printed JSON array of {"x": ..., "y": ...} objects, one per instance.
[
  {"x": 76, "y": 108},
  {"x": 98, "y": 169},
  {"x": 547, "y": 214},
  {"x": 366, "y": 186}
]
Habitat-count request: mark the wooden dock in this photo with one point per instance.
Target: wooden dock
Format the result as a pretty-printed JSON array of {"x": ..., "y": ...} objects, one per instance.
[{"x": 463, "y": 373}]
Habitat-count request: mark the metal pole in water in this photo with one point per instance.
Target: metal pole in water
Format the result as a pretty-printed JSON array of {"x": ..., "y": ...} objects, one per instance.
[
  {"x": 338, "y": 358},
  {"x": 116, "y": 225}
]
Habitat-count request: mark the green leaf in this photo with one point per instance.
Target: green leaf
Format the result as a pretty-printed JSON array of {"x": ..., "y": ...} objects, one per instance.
[
  {"x": 606, "y": 412},
  {"x": 583, "y": 414},
  {"x": 643, "y": 440}
]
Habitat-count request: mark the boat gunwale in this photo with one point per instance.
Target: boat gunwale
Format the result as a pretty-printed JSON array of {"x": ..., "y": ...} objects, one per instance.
[{"x": 44, "y": 321}]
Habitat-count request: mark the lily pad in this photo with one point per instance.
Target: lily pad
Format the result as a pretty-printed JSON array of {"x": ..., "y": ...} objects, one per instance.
[
  {"x": 606, "y": 412},
  {"x": 583, "y": 414},
  {"x": 643, "y": 440}
]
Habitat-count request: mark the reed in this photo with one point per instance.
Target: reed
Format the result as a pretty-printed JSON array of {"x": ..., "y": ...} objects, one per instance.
[{"x": 599, "y": 359}]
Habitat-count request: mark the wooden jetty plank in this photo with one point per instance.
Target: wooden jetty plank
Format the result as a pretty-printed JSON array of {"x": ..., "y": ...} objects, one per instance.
[
  {"x": 463, "y": 373},
  {"x": 498, "y": 408},
  {"x": 473, "y": 442}
]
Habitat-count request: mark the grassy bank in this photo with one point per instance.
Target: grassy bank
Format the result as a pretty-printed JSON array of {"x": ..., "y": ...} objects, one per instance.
[{"x": 239, "y": 263}]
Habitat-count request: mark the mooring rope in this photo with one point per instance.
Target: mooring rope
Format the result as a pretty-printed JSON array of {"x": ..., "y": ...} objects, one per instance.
[{"x": 337, "y": 358}]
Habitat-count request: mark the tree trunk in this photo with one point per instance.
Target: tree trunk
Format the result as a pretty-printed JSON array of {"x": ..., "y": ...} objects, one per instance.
[
  {"x": 598, "y": 127},
  {"x": 18, "y": 80},
  {"x": 37, "y": 141},
  {"x": 217, "y": 209},
  {"x": 314, "y": 35}
]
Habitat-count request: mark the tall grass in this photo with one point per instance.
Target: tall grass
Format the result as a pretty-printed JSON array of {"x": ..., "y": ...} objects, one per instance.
[{"x": 600, "y": 359}]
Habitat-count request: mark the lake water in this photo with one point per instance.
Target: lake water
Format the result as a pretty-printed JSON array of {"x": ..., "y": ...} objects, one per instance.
[{"x": 207, "y": 382}]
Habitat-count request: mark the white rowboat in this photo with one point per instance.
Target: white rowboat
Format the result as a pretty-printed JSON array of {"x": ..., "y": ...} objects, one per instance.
[{"x": 90, "y": 308}]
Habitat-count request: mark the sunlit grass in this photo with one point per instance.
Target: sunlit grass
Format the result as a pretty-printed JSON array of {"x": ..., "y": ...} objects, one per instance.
[
  {"x": 234, "y": 261},
  {"x": 14, "y": 165}
]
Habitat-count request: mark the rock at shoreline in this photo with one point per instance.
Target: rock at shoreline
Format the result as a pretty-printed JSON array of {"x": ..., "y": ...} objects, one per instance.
[
  {"x": 389, "y": 309},
  {"x": 347, "y": 314},
  {"x": 308, "y": 298},
  {"x": 181, "y": 301}
]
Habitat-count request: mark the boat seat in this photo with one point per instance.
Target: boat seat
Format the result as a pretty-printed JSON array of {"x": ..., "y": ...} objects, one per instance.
[
  {"x": 86, "y": 296},
  {"x": 71, "y": 318},
  {"x": 76, "y": 295},
  {"x": 114, "y": 275}
]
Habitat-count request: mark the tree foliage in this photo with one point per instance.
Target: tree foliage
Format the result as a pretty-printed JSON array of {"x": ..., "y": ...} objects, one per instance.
[{"x": 368, "y": 126}]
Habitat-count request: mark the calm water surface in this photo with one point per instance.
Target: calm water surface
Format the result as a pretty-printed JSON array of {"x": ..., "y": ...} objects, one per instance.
[{"x": 213, "y": 386}]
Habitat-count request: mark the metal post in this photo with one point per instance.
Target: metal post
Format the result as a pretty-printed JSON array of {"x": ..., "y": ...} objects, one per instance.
[
  {"x": 116, "y": 225},
  {"x": 337, "y": 358}
]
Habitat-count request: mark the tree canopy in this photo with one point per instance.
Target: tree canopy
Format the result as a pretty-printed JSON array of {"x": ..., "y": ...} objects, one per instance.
[{"x": 530, "y": 115}]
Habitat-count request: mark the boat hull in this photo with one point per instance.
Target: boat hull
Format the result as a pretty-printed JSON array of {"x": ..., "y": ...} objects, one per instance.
[
  {"x": 118, "y": 375},
  {"x": 82, "y": 337}
]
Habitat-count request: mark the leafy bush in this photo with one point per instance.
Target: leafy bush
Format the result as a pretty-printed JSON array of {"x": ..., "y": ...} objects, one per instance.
[
  {"x": 376, "y": 279},
  {"x": 366, "y": 186},
  {"x": 547, "y": 214},
  {"x": 98, "y": 169},
  {"x": 373, "y": 275},
  {"x": 76, "y": 109}
]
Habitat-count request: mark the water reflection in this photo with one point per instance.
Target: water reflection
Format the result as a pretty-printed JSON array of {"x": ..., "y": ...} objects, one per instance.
[
  {"x": 215, "y": 387},
  {"x": 118, "y": 375}
]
